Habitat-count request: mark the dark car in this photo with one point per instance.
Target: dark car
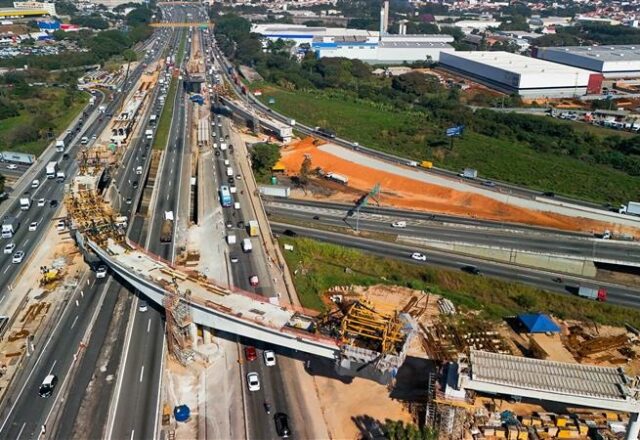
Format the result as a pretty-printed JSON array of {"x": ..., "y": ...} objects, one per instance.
[
  {"x": 240, "y": 224},
  {"x": 290, "y": 233},
  {"x": 282, "y": 425},
  {"x": 549, "y": 194},
  {"x": 217, "y": 153},
  {"x": 48, "y": 385},
  {"x": 53, "y": 203},
  {"x": 231, "y": 180},
  {"x": 471, "y": 269},
  {"x": 65, "y": 156},
  {"x": 250, "y": 353},
  {"x": 135, "y": 184}
]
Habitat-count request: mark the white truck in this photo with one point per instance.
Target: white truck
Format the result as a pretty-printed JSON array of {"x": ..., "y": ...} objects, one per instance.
[
  {"x": 25, "y": 203},
  {"x": 229, "y": 172},
  {"x": 631, "y": 208},
  {"x": 9, "y": 227},
  {"x": 246, "y": 245},
  {"x": 60, "y": 145},
  {"x": 51, "y": 169},
  {"x": 469, "y": 173}
]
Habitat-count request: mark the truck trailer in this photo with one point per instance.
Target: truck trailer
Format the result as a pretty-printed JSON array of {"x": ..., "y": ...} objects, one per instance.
[
  {"x": 469, "y": 173},
  {"x": 597, "y": 294},
  {"x": 274, "y": 190},
  {"x": 52, "y": 168},
  {"x": 631, "y": 208},
  {"x": 337, "y": 178},
  {"x": 9, "y": 227},
  {"x": 166, "y": 232}
]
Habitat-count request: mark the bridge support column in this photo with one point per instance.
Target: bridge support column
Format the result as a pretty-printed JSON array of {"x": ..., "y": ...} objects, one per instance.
[
  {"x": 206, "y": 335},
  {"x": 633, "y": 429},
  {"x": 193, "y": 333}
]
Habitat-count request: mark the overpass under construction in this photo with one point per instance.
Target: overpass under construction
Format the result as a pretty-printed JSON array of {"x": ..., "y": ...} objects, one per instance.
[{"x": 358, "y": 338}]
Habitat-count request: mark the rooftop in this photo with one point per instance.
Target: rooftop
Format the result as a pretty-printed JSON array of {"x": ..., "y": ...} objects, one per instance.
[
  {"x": 604, "y": 53},
  {"x": 518, "y": 63},
  {"x": 549, "y": 376}
]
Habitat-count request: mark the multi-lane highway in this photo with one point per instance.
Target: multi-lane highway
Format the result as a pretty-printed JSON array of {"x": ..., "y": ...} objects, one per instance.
[{"x": 476, "y": 233}]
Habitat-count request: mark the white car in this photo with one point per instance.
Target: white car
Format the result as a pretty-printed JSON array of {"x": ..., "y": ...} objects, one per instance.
[
  {"x": 8, "y": 249},
  {"x": 35, "y": 183},
  {"x": 17, "y": 257},
  {"x": 143, "y": 306},
  {"x": 253, "y": 381},
  {"x": 60, "y": 226},
  {"x": 399, "y": 224},
  {"x": 33, "y": 226},
  {"x": 12, "y": 166},
  {"x": 41, "y": 202},
  {"x": 418, "y": 256},
  {"x": 269, "y": 358},
  {"x": 101, "y": 272}
]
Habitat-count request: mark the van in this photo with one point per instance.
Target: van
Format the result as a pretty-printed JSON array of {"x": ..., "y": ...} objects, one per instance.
[
  {"x": 229, "y": 172},
  {"x": 226, "y": 162}
]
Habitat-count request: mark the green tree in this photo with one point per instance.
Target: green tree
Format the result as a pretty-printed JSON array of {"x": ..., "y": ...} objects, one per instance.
[
  {"x": 305, "y": 171},
  {"x": 263, "y": 157}
]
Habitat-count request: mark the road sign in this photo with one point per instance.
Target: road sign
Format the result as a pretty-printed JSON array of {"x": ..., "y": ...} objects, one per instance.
[{"x": 455, "y": 131}]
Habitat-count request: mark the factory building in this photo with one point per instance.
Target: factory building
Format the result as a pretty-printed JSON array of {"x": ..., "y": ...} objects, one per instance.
[
  {"x": 28, "y": 9},
  {"x": 621, "y": 61},
  {"x": 390, "y": 49},
  {"x": 305, "y": 34},
  {"x": 528, "y": 77}
]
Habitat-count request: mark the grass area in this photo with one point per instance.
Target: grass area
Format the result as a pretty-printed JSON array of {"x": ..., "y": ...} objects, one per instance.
[
  {"x": 181, "y": 47},
  {"x": 52, "y": 100},
  {"x": 317, "y": 266},
  {"x": 164, "y": 125},
  {"x": 406, "y": 134}
]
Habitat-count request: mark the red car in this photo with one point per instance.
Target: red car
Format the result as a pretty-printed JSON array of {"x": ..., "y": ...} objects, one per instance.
[{"x": 250, "y": 353}]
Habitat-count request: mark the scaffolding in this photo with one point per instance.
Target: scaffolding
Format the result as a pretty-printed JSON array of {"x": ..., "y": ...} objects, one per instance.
[
  {"x": 380, "y": 332},
  {"x": 178, "y": 318}
]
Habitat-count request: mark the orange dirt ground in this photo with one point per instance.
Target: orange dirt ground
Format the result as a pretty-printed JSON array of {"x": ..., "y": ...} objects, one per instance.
[{"x": 403, "y": 192}]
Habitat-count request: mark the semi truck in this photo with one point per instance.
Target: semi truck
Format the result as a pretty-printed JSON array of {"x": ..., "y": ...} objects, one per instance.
[
  {"x": 325, "y": 132},
  {"x": 631, "y": 208},
  {"x": 9, "y": 227},
  {"x": 274, "y": 190},
  {"x": 166, "y": 232},
  {"x": 25, "y": 203},
  {"x": 60, "y": 145},
  {"x": 254, "y": 228},
  {"x": 246, "y": 245},
  {"x": 51, "y": 169},
  {"x": 337, "y": 178},
  {"x": 597, "y": 293}
]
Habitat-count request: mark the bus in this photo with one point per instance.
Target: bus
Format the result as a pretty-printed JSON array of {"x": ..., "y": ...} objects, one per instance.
[{"x": 225, "y": 197}]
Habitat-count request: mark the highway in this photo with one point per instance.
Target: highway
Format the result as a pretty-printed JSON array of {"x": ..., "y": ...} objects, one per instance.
[
  {"x": 89, "y": 307},
  {"x": 617, "y": 294},
  {"x": 441, "y": 230}
]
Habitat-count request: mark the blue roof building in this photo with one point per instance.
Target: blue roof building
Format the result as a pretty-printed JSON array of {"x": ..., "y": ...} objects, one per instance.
[{"x": 538, "y": 323}]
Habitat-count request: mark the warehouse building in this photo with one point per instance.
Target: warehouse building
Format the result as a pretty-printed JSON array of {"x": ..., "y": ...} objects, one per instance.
[
  {"x": 305, "y": 34},
  {"x": 621, "y": 61},
  {"x": 528, "y": 77},
  {"x": 390, "y": 49}
]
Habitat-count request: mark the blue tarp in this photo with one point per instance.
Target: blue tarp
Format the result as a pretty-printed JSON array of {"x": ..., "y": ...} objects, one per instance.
[
  {"x": 538, "y": 323},
  {"x": 181, "y": 413}
]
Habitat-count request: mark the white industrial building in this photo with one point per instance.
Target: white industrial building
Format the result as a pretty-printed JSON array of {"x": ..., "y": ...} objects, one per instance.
[
  {"x": 390, "y": 49},
  {"x": 305, "y": 34},
  {"x": 621, "y": 61},
  {"x": 528, "y": 77}
]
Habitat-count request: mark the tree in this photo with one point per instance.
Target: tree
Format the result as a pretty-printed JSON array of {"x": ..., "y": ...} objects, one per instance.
[
  {"x": 263, "y": 157},
  {"x": 305, "y": 170}
]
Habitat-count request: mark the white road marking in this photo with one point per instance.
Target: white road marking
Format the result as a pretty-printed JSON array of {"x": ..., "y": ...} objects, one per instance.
[
  {"x": 74, "y": 321},
  {"x": 141, "y": 373},
  {"x": 132, "y": 432},
  {"x": 21, "y": 429},
  {"x": 148, "y": 325},
  {"x": 6, "y": 269},
  {"x": 53, "y": 366},
  {"x": 26, "y": 241}
]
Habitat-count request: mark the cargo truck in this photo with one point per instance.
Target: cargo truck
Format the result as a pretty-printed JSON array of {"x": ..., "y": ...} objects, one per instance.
[
  {"x": 597, "y": 294},
  {"x": 631, "y": 208},
  {"x": 166, "y": 232},
  {"x": 274, "y": 190},
  {"x": 246, "y": 245},
  {"x": 254, "y": 228},
  {"x": 9, "y": 227},
  {"x": 469, "y": 173},
  {"x": 337, "y": 178},
  {"x": 60, "y": 146},
  {"x": 25, "y": 203},
  {"x": 426, "y": 164},
  {"x": 51, "y": 169}
]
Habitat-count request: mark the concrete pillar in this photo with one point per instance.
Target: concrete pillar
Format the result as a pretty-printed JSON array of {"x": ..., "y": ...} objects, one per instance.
[
  {"x": 634, "y": 427},
  {"x": 193, "y": 334},
  {"x": 206, "y": 335}
]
